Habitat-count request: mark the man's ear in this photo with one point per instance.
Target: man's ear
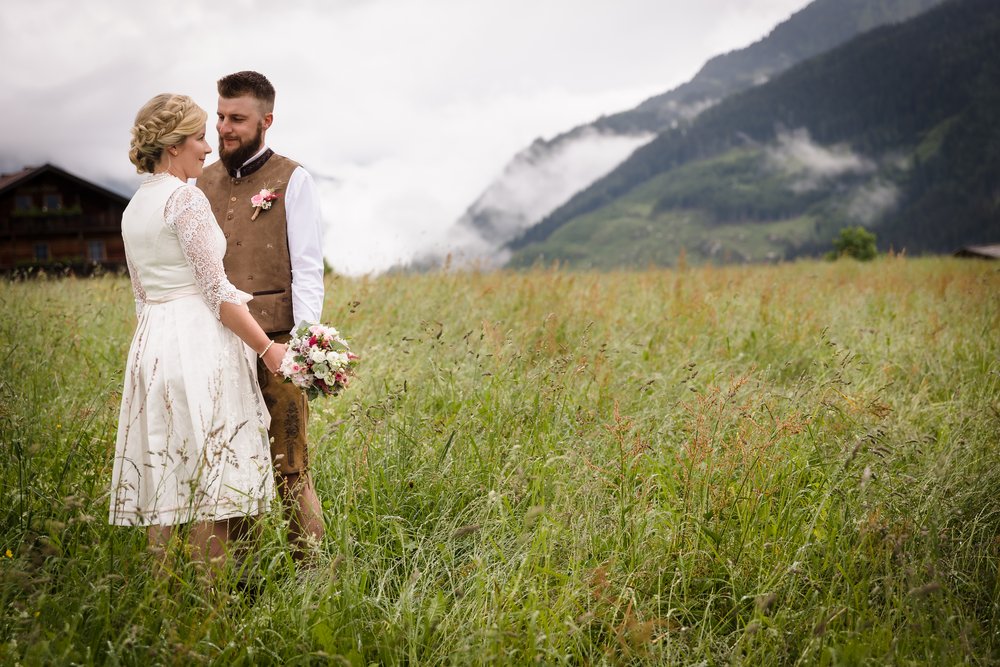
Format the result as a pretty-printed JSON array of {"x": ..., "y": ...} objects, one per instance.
[{"x": 268, "y": 119}]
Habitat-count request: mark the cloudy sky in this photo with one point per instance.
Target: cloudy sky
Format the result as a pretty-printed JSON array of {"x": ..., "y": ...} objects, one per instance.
[{"x": 403, "y": 110}]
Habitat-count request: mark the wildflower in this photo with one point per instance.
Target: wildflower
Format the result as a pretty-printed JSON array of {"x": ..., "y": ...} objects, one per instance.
[{"x": 9, "y": 554}]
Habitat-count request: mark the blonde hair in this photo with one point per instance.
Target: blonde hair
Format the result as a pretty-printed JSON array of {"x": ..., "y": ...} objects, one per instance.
[{"x": 164, "y": 121}]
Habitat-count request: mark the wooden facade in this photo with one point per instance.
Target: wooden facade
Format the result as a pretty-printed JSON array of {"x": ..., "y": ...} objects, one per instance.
[
  {"x": 50, "y": 218},
  {"x": 980, "y": 251}
]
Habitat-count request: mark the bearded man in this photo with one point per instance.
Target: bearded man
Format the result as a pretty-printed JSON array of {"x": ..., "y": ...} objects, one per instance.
[{"x": 268, "y": 208}]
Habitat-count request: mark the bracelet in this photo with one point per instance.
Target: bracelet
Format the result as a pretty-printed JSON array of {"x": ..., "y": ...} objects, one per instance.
[{"x": 264, "y": 351}]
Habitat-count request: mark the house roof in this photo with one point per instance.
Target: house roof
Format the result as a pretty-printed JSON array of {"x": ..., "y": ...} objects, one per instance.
[
  {"x": 9, "y": 181},
  {"x": 989, "y": 251}
]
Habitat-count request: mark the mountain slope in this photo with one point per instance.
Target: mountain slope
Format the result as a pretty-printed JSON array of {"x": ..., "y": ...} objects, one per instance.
[
  {"x": 547, "y": 173},
  {"x": 893, "y": 130}
]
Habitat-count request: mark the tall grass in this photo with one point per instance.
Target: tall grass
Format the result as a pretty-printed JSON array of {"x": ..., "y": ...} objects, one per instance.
[{"x": 768, "y": 465}]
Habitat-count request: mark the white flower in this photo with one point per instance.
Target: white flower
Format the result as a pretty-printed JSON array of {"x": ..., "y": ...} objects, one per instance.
[
  {"x": 336, "y": 359},
  {"x": 316, "y": 363}
]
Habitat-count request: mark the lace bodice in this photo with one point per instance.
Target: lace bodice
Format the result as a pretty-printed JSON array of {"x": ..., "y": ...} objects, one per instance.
[
  {"x": 174, "y": 247},
  {"x": 189, "y": 214}
]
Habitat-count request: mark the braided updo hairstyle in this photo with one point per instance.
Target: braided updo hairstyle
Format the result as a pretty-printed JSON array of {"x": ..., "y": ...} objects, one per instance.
[{"x": 164, "y": 121}]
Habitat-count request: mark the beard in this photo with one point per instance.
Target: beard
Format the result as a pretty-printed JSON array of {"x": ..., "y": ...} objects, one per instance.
[{"x": 234, "y": 159}]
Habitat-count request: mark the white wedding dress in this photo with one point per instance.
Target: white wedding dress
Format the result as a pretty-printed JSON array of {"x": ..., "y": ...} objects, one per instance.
[{"x": 192, "y": 434}]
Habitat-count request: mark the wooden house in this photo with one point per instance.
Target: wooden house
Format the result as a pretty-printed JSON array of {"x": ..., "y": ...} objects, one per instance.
[
  {"x": 50, "y": 218},
  {"x": 979, "y": 251}
]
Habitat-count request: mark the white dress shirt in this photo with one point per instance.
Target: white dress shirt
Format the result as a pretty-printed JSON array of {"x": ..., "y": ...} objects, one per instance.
[{"x": 305, "y": 244}]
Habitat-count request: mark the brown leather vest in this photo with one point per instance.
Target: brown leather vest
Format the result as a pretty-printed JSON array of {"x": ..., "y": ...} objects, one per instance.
[{"x": 257, "y": 259}]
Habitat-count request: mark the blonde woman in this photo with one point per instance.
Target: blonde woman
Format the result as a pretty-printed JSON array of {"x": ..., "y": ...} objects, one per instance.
[{"x": 192, "y": 444}]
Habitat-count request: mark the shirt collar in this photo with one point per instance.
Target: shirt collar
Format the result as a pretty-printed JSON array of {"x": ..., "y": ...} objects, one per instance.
[{"x": 253, "y": 164}]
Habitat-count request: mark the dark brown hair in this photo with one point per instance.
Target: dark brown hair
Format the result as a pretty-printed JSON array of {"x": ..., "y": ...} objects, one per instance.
[{"x": 249, "y": 83}]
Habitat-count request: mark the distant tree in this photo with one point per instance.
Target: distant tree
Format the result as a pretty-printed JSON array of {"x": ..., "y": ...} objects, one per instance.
[{"x": 856, "y": 242}]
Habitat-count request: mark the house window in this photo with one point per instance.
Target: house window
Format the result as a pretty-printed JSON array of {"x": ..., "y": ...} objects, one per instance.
[
  {"x": 95, "y": 251},
  {"x": 42, "y": 252},
  {"x": 52, "y": 202},
  {"x": 22, "y": 202}
]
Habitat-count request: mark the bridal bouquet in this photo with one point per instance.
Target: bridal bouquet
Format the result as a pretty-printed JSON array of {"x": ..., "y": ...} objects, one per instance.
[{"x": 318, "y": 360}]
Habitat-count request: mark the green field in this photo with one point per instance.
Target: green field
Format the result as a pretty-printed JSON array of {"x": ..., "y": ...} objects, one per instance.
[{"x": 791, "y": 464}]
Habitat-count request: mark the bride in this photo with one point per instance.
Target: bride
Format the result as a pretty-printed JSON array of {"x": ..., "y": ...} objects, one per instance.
[{"x": 192, "y": 433}]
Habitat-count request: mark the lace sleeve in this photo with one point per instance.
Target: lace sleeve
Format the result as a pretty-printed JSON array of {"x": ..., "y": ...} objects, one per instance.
[
  {"x": 190, "y": 216},
  {"x": 137, "y": 291}
]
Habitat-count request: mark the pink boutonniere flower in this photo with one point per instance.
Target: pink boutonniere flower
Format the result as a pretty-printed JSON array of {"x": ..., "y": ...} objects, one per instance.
[{"x": 262, "y": 201}]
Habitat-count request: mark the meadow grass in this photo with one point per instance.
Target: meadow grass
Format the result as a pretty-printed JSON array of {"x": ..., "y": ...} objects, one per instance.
[{"x": 791, "y": 464}]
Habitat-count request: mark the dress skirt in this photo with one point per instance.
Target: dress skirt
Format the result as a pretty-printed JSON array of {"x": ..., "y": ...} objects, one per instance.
[{"x": 192, "y": 434}]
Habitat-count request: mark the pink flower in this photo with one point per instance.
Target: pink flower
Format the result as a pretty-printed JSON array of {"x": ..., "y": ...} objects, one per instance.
[
  {"x": 318, "y": 360},
  {"x": 262, "y": 201}
]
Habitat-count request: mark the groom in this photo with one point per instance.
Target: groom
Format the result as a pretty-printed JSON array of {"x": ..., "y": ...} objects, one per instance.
[{"x": 274, "y": 253}]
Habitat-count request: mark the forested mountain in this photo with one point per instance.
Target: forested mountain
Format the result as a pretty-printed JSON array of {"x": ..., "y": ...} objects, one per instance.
[
  {"x": 547, "y": 173},
  {"x": 895, "y": 130}
]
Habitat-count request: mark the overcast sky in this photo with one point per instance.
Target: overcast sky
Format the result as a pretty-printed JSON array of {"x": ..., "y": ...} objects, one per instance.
[{"x": 403, "y": 110}]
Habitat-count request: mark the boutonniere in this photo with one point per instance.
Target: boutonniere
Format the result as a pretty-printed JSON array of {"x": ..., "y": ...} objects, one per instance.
[{"x": 262, "y": 201}]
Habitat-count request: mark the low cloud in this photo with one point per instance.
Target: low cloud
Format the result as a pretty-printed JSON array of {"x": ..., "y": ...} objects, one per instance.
[
  {"x": 810, "y": 164},
  {"x": 537, "y": 181},
  {"x": 688, "y": 111},
  {"x": 870, "y": 202},
  {"x": 544, "y": 176}
]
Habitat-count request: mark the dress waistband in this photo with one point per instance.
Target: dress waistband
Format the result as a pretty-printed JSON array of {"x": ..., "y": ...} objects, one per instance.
[{"x": 173, "y": 295}]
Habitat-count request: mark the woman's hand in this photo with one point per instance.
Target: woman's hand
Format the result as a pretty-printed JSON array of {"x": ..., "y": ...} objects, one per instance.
[{"x": 272, "y": 358}]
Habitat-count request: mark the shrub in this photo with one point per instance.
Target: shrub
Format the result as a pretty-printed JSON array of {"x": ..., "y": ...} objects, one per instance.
[{"x": 856, "y": 242}]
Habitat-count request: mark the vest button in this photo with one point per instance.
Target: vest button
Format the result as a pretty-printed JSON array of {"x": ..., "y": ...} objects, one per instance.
[
  {"x": 229, "y": 217},
  {"x": 233, "y": 199},
  {"x": 239, "y": 243}
]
